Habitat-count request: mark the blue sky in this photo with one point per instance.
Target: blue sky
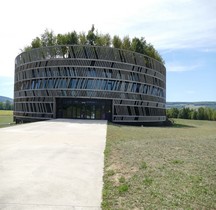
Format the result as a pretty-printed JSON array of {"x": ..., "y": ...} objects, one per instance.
[{"x": 183, "y": 31}]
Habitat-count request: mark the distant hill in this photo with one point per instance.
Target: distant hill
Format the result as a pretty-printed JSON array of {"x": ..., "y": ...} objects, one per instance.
[
  {"x": 195, "y": 105},
  {"x": 4, "y": 99}
]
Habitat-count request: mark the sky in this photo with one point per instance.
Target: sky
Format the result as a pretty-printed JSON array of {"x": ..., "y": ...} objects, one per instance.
[{"x": 183, "y": 32}]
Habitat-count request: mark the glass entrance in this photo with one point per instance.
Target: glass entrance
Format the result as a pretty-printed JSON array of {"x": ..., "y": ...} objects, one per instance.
[{"x": 84, "y": 108}]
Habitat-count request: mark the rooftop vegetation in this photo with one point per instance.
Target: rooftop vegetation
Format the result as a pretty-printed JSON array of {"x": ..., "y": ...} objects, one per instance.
[{"x": 93, "y": 37}]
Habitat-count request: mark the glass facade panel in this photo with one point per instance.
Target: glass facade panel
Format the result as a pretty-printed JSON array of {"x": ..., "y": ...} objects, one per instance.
[
  {"x": 84, "y": 108},
  {"x": 85, "y": 82}
]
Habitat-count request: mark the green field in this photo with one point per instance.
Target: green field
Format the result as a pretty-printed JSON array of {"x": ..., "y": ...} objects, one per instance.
[
  {"x": 161, "y": 167},
  {"x": 6, "y": 118}
]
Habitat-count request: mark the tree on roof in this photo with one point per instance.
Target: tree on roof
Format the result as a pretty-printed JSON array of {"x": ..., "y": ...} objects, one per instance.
[{"x": 139, "y": 45}]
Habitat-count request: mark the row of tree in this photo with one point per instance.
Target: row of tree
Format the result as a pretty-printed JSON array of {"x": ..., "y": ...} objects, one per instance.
[
  {"x": 7, "y": 105},
  {"x": 202, "y": 113},
  {"x": 48, "y": 38}
]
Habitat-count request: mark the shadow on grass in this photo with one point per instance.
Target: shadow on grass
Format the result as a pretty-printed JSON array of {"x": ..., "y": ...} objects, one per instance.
[
  {"x": 4, "y": 125},
  {"x": 174, "y": 125},
  {"x": 178, "y": 125}
]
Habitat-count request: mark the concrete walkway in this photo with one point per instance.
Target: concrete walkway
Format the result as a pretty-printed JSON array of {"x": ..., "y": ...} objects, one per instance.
[{"x": 56, "y": 164}]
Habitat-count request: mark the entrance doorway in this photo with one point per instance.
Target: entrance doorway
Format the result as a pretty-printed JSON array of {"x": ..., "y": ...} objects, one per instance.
[{"x": 84, "y": 108}]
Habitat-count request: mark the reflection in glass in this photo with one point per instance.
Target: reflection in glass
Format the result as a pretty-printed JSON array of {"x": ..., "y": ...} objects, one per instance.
[{"x": 83, "y": 108}]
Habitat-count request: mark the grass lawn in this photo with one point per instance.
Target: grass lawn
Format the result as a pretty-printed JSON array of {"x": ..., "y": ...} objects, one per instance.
[
  {"x": 6, "y": 117},
  {"x": 161, "y": 167}
]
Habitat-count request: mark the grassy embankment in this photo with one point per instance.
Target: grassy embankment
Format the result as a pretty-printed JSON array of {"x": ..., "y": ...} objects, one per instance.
[
  {"x": 6, "y": 118},
  {"x": 161, "y": 167}
]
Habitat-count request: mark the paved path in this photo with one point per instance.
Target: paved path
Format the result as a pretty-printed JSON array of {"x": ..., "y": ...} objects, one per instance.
[{"x": 56, "y": 164}]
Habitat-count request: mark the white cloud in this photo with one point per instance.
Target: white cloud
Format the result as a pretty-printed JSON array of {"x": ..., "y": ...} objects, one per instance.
[
  {"x": 190, "y": 92},
  {"x": 207, "y": 50},
  {"x": 175, "y": 67},
  {"x": 166, "y": 24},
  {"x": 178, "y": 24}
]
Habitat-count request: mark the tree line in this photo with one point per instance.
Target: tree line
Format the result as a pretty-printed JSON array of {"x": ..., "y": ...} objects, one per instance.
[
  {"x": 7, "y": 105},
  {"x": 93, "y": 37},
  {"x": 202, "y": 113}
]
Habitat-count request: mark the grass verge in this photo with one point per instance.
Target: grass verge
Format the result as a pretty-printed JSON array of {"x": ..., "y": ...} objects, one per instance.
[
  {"x": 6, "y": 118},
  {"x": 161, "y": 167}
]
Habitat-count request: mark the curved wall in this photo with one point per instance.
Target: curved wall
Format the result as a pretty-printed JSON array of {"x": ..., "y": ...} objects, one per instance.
[{"x": 48, "y": 78}]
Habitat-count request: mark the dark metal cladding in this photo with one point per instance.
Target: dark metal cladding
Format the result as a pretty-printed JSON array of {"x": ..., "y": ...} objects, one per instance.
[{"x": 89, "y": 82}]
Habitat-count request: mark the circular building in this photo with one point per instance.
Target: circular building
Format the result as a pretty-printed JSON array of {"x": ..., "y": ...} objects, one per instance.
[{"x": 89, "y": 82}]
